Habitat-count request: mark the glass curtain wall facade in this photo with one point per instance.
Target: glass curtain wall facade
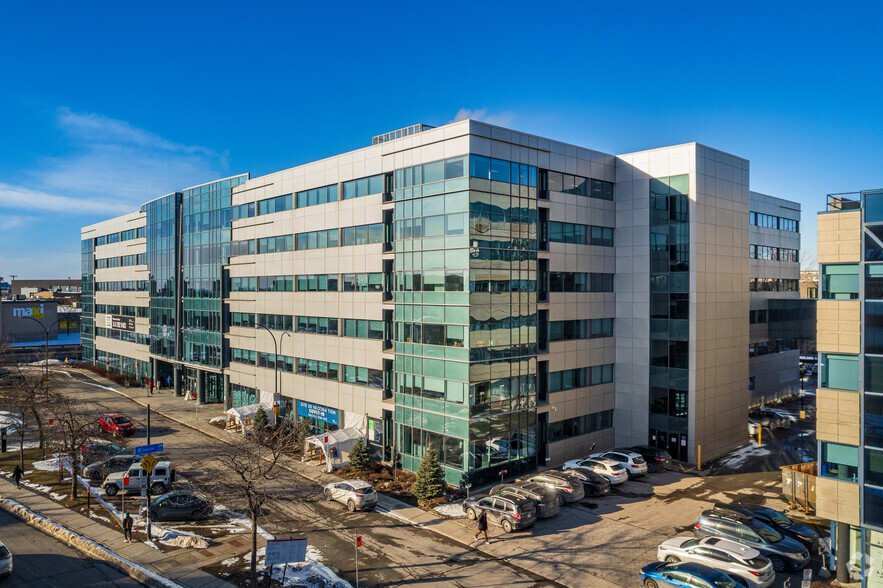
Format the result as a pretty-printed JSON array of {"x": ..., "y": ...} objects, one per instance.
[
  {"x": 87, "y": 321},
  {"x": 465, "y": 232},
  {"x": 205, "y": 248},
  {"x": 669, "y": 313},
  {"x": 162, "y": 261}
]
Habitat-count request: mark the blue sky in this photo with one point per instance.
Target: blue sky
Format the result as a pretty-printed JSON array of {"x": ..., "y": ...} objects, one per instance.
[{"x": 107, "y": 105}]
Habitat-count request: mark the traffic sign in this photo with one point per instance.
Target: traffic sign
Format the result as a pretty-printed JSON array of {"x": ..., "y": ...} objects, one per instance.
[
  {"x": 149, "y": 463},
  {"x": 145, "y": 449},
  {"x": 807, "y": 574}
]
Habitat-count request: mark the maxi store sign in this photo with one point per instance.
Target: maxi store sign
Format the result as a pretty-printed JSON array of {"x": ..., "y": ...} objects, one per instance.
[
  {"x": 318, "y": 412},
  {"x": 29, "y": 312}
]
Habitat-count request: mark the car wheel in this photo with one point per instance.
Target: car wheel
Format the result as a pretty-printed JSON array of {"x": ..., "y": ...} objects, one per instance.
[
  {"x": 351, "y": 506},
  {"x": 153, "y": 516},
  {"x": 778, "y": 564},
  {"x": 773, "y": 426},
  {"x": 111, "y": 490},
  {"x": 672, "y": 559},
  {"x": 470, "y": 514},
  {"x": 157, "y": 488},
  {"x": 560, "y": 500},
  {"x": 651, "y": 583},
  {"x": 95, "y": 476},
  {"x": 507, "y": 526},
  {"x": 327, "y": 494}
]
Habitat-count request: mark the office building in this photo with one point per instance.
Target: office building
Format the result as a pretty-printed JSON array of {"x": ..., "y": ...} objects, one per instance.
[
  {"x": 849, "y": 400},
  {"x": 511, "y": 299}
]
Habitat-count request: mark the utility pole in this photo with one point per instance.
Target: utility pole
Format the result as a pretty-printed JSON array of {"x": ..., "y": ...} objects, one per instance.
[{"x": 277, "y": 398}]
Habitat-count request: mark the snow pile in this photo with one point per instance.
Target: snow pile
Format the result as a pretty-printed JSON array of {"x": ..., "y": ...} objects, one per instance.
[
  {"x": 452, "y": 509},
  {"x": 10, "y": 421},
  {"x": 239, "y": 519},
  {"x": 47, "y": 465},
  {"x": 738, "y": 458},
  {"x": 310, "y": 574},
  {"x": 218, "y": 419}
]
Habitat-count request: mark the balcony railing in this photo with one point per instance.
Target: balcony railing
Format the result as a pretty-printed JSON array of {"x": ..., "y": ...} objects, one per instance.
[{"x": 837, "y": 202}]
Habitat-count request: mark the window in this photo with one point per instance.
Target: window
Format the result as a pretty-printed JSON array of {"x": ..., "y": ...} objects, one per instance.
[
  {"x": 839, "y": 282},
  {"x": 580, "y": 234},
  {"x": 580, "y": 329},
  {"x": 316, "y": 196},
  {"x": 873, "y": 418},
  {"x": 839, "y": 461},
  {"x": 839, "y": 372},
  {"x": 316, "y": 283},
  {"x": 363, "y": 187},
  {"x": 277, "y": 204},
  {"x": 316, "y": 239}
]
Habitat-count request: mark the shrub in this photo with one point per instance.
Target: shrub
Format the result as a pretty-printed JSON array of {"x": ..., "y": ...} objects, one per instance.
[
  {"x": 359, "y": 456},
  {"x": 430, "y": 481}
]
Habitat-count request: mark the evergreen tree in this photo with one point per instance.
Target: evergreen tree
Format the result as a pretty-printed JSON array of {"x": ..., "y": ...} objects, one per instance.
[
  {"x": 259, "y": 422},
  {"x": 301, "y": 432},
  {"x": 359, "y": 456},
  {"x": 430, "y": 481}
]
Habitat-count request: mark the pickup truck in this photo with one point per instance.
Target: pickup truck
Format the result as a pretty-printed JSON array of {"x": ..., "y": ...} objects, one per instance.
[{"x": 135, "y": 478}]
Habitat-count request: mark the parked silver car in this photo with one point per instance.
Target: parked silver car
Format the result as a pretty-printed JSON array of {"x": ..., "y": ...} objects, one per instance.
[
  {"x": 355, "y": 494},
  {"x": 738, "y": 561},
  {"x": 545, "y": 501},
  {"x": 99, "y": 470},
  {"x": 5, "y": 561}
]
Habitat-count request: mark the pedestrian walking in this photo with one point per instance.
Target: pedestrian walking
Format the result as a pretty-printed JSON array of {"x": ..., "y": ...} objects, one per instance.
[
  {"x": 17, "y": 473},
  {"x": 144, "y": 382},
  {"x": 127, "y": 528},
  {"x": 158, "y": 384},
  {"x": 169, "y": 382},
  {"x": 150, "y": 387},
  {"x": 482, "y": 525}
]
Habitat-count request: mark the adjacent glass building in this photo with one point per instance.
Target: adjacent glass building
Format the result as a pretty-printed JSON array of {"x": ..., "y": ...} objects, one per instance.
[
  {"x": 849, "y": 489},
  {"x": 510, "y": 300}
]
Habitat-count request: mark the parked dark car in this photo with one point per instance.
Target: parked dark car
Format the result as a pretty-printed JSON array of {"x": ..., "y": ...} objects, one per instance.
[
  {"x": 100, "y": 450},
  {"x": 784, "y": 553},
  {"x": 779, "y": 522},
  {"x": 179, "y": 505},
  {"x": 545, "y": 501},
  {"x": 10, "y": 378},
  {"x": 768, "y": 418},
  {"x": 568, "y": 488},
  {"x": 684, "y": 575},
  {"x": 593, "y": 484},
  {"x": 99, "y": 470},
  {"x": 510, "y": 512},
  {"x": 657, "y": 459}
]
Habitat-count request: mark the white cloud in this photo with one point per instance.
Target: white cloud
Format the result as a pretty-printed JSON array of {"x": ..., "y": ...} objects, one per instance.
[
  {"x": 502, "y": 119},
  {"x": 112, "y": 168}
]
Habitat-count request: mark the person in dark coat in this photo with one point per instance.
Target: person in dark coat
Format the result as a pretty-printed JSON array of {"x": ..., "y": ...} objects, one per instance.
[
  {"x": 17, "y": 473},
  {"x": 482, "y": 525},
  {"x": 127, "y": 528}
]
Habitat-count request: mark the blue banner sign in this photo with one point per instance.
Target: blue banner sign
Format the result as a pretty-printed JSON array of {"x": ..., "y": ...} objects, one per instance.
[
  {"x": 318, "y": 412},
  {"x": 145, "y": 449}
]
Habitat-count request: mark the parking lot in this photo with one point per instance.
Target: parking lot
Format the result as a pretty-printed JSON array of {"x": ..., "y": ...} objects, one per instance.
[{"x": 612, "y": 537}]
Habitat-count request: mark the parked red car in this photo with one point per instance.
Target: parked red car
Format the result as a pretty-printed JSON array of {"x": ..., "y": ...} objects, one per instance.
[{"x": 117, "y": 424}]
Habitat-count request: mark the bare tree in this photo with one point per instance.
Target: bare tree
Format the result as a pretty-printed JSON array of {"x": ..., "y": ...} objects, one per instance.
[
  {"x": 74, "y": 426},
  {"x": 22, "y": 392},
  {"x": 249, "y": 473}
]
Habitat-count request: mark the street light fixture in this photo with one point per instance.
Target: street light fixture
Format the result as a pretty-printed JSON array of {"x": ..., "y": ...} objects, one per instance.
[
  {"x": 46, "y": 366},
  {"x": 277, "y": 399}
]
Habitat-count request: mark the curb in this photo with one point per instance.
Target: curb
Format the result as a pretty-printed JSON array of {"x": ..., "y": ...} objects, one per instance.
[
  {"x": 84, "y": 545},
  {"x": 385, "y": 511}
]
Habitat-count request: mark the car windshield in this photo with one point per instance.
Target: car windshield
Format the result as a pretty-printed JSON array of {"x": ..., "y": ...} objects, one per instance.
[
  {"x": 365, "y": 489},
  {"x": 690, "y": 543},
  {"x": 121, "y": 420},
  {"x": 723, "y": 581},
  {"x": 776, "y": 517},
  {"x": 617, "y": 468},
  {"x": 766, "y": 533},
  {"x": 3, "y": 551}
]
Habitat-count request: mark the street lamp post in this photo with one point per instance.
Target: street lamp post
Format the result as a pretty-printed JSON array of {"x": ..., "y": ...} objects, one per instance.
[
  {"x": 276, "y": 346},
  {"x": 42, "y": 326}
]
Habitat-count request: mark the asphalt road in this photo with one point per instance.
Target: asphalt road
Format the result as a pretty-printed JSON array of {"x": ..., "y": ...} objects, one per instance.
[
  {"x": 393, "y": 553},
  {"x": 40, "y": 560}
]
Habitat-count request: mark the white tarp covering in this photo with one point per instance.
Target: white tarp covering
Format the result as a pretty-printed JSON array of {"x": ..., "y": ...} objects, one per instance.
[
  {"x": 337, "y": 449},
  {"x": 244, "y": 415}
]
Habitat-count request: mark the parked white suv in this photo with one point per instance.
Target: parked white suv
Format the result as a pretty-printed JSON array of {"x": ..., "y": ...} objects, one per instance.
[
  {"x": 633, "y": 463},
  {"x": 135, "y": 478},
  {"x": 606, "y": 467}
]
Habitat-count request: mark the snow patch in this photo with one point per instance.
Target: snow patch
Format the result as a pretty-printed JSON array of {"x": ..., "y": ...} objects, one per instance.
[
  {"x": 310, "y": 574},
  {"x": 452, "y": 509},
  {"x": 738, "y": 458},
  {"x": 57, "y": 496},
  {"x": 218, "y": 419}
]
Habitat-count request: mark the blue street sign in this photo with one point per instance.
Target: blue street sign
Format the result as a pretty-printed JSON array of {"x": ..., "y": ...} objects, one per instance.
[{"x": 145, "y": 449}]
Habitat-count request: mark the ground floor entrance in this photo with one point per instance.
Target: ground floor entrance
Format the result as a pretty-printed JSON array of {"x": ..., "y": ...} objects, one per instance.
[{"x": 673, "y": 442}]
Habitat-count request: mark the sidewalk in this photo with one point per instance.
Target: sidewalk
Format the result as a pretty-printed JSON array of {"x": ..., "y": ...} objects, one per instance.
[
  {"x": 180, "y": 566},
  {"x": 461, "y": 531}
]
